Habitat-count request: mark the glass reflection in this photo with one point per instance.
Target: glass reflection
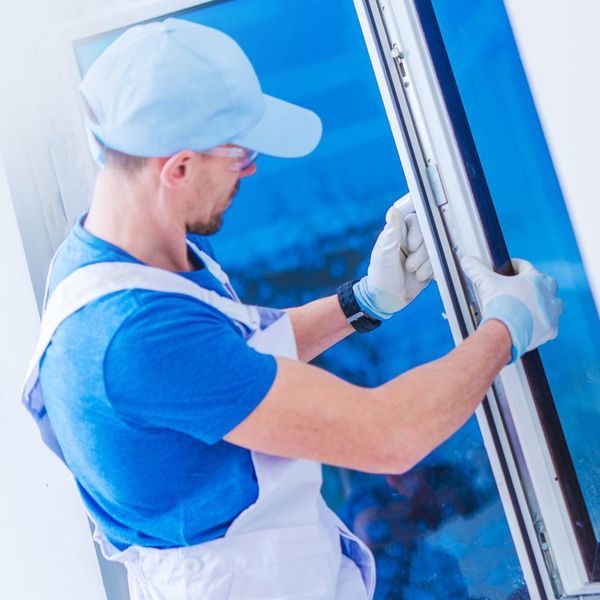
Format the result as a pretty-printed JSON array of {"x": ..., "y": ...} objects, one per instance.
[
  {"x": 532, "y": 213},
  {"x": 300, "y": 228}
]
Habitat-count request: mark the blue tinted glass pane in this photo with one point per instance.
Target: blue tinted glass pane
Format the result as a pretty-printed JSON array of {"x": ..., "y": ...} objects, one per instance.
[
  {"x": 532, "y": 213},
  {"x": 300, "y": 228}
]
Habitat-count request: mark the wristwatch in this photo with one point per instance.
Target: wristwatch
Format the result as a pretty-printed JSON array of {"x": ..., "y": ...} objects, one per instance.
[{"x": 355, "y": 315}]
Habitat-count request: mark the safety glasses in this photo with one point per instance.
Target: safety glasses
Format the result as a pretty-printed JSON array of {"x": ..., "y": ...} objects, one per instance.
[{"x": 243, "y": 156}]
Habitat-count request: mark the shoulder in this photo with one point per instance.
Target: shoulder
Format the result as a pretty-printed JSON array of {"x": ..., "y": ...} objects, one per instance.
[
  {"x": 175, "y": 363},
  {"x": 79, "y": 249},
  {"x": 166, "y": 327},
  {"x": 170, "y": 311}
]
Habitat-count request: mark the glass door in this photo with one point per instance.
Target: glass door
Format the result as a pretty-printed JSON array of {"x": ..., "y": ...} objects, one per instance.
[
  {"x": 534, "y": 223},
  {"x": 470, "y": 135}
]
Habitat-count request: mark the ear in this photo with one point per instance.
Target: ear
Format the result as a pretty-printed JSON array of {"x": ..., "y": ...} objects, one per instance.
[{"x": 176, "y": 170}]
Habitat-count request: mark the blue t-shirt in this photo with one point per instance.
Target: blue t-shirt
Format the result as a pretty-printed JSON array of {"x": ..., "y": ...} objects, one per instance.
[{"x": 140, "y": 388}]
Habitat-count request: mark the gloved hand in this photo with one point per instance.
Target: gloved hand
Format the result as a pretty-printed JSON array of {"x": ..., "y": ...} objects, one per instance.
[
  {"x": 526, "y": 302},
  {"x": 399, "y": 269}
]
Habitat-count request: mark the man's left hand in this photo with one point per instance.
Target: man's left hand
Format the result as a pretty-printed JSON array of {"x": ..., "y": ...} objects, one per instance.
[{"x": 400, "y": 268}]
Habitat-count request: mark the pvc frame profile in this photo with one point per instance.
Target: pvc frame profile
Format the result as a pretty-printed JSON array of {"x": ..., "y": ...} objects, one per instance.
[{"x": 518, "y": 419}]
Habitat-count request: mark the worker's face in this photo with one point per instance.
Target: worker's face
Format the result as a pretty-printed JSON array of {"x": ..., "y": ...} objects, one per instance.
[{"x": 217, "y": 182}]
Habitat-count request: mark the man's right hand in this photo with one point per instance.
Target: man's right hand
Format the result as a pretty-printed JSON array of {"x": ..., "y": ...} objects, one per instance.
[
  {"x": 399, "y": 269},
  {"x": 526, "y": 302}
]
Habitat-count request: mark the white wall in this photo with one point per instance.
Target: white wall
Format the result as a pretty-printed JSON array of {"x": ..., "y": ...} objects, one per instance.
[
  {"x": 46, "y": 551},
  {"x": 559, "y": 43},
  {"x": 49, "y": 174}
]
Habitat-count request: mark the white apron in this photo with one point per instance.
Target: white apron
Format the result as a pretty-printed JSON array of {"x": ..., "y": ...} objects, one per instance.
[{"x": 288, "y": 544}]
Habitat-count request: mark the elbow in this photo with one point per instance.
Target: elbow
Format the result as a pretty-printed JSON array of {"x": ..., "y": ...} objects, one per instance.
[
  {"x": 398, "y": 462},
  {"x": 403, "y": 466},
  {"x": 397, "y": 455}
]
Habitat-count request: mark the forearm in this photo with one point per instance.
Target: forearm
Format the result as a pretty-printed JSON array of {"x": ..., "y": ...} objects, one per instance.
[
  {"x": 311, "y": 414},
  {"x": 318, "y": 326},
  {"x": 431, "y": 402}
]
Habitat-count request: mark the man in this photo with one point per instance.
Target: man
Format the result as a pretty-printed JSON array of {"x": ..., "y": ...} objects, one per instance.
[{"x": 192, "y": 425}]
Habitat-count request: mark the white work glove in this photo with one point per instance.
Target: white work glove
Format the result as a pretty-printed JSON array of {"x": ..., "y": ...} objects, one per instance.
[
  {"x": 399, "y": 269},
  {"x": 525, "y": 302}
]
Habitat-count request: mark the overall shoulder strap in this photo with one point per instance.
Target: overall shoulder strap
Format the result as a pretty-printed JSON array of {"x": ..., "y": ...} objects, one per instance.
[
  {"x": 212, "y": 265},
  {"x": 215, "y": 270},
  {"x": 101, "y": 279}
]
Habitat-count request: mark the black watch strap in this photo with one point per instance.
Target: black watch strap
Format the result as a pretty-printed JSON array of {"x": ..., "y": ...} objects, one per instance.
[{"x": 355, "y": 315}]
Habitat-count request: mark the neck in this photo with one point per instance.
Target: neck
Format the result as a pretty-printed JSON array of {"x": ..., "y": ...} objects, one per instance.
[{"x": 134, "y": 216}]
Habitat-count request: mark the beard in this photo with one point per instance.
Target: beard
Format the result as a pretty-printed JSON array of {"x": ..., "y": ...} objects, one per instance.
[
  {"x": 210, "y": 228},
  {"x": 216, "y": 220}
]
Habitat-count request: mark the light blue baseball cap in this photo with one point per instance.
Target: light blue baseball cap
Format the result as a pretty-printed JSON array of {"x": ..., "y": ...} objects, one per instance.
[{"x": 175, "y": 85}]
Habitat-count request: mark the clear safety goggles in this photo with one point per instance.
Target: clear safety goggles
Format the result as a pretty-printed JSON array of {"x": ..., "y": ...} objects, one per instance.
[{"x": 243, "y": 156}]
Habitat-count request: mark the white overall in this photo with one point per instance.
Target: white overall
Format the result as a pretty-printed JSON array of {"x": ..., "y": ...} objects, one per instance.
[{"x": 288, "y": 544}]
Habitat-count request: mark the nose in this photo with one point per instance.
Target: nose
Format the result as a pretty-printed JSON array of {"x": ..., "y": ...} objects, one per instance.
[{"x": 248, "y": 171}]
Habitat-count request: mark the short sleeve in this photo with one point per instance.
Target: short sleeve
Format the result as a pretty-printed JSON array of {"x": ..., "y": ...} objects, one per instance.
[{"x": 180, "y": 364}]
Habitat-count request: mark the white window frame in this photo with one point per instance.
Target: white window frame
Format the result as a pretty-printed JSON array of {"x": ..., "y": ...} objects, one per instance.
[{"x": 528, "y": 484}]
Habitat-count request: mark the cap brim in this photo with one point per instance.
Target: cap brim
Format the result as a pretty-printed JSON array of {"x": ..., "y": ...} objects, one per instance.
[{"x": 285, "y": 130}]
